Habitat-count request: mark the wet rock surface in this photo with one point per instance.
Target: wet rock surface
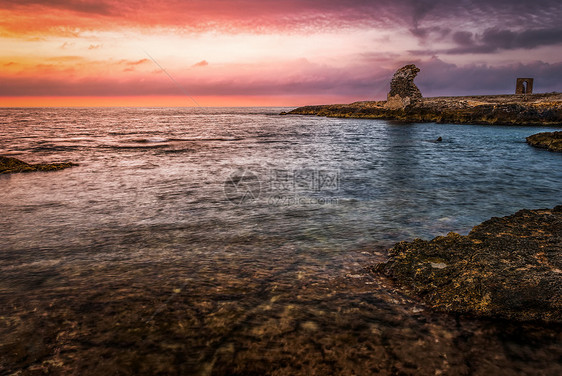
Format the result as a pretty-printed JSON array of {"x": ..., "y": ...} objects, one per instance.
[
  {"x": 216, "y": 315},
  {"x": 10, "y": 165},
  {"x": 546, "y": 140},
  {"x": 509, "y": 268}
]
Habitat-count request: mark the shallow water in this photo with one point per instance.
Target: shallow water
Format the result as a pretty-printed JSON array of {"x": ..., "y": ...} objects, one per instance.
[{"x": 236, "y": 241}]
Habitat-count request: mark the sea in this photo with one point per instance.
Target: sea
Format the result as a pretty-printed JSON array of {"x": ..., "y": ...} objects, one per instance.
[{"x": 237, "y": 241}]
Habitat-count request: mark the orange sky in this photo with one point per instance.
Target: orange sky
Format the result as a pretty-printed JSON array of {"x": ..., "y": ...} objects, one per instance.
[
  {"x": 168, "y": 101},
  {"x": 269, "y": 53}
]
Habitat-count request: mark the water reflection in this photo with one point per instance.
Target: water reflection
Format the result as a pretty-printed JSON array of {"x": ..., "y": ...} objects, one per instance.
[{"x": 136, "y": 262}]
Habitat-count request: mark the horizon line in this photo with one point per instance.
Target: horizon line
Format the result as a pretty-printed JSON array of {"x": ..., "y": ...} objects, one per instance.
[{"x": 174, "y": 101}]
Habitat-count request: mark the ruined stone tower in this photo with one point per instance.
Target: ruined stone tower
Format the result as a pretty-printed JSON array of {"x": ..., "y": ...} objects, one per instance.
[{"x": 524, "y": 86}]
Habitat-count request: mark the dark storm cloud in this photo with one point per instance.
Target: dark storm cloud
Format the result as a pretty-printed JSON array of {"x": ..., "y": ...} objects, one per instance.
[
  {"x": 440, "y": 78},
  {"x": 463, "y": 38},
  {"x": 492, "y": 40},
  {"x": 478, "y": 26}
]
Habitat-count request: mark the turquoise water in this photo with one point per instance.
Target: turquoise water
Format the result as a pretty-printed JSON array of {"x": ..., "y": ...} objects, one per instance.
[{"x": 234, "y": 241}]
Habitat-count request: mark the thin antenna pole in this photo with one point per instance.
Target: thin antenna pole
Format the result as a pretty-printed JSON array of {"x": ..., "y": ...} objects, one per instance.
[{"x": 171, "y": 78}]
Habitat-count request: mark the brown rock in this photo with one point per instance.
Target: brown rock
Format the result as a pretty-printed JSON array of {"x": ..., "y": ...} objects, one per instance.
[
  {"x": 534, "y": 109},
  {"x": 508, "y": 267},
  {"x": 403, "y": 91},
  {"x": 12, "y": 165},
  {"x": 546, "y": 140}
]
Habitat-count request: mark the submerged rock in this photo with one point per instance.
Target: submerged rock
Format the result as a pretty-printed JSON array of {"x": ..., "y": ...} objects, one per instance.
[
  {"x": 508, "y": 267},
  {"x": 546, "y": 140},
  {"x": 403, "y": 91},
  {"x": 12, "y": 165}
]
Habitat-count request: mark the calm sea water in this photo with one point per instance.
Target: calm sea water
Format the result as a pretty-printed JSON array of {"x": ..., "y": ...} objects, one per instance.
[{"x": 234, "y": 241}]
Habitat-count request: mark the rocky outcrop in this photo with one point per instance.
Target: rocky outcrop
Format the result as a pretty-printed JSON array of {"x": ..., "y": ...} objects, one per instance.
[
  {"x": 11, "y": 165},
  {"x": 546, "y": 140},
  {"x": 534, "y": 109},
  {"x": 508, "y": 267},
  {"x": 403, "y": 91},
  {"x": 405, "y": 103}
]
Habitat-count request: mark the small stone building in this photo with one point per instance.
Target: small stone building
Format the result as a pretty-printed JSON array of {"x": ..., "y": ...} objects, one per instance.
[{"x": 524, "y": 86}]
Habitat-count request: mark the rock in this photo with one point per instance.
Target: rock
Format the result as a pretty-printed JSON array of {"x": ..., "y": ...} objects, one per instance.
[
  {"x": 405, "y": 103},
  {"x": 12, "y": 165},
  {"x": 403, "y": 91},
  {"x": 539, "y": 109},
  {"x": 397, "y": 102},
  {"x": 508, "y": 268},
  {"x": 546, "y": 140}
]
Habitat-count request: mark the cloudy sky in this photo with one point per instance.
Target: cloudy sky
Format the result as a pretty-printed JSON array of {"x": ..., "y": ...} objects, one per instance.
[{"x": 270, "y": 52}]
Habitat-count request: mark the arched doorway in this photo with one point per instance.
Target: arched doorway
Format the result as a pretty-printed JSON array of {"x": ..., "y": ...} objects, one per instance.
[{"x": 524, "y": 86}]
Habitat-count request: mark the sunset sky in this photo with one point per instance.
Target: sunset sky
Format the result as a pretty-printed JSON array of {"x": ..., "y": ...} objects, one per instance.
[{"x": 263, "y": 52}]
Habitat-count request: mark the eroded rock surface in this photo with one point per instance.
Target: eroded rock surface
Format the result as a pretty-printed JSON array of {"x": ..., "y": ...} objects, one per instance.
[
  {"x": 405, "y": 103},
  {"x": 12, "y": 165},
  {"x": 546, "y": 140},
  {"x": 508, "y": 267},
  {"x": 533, "y": 109},
  {"x": 403, "y": 90}
]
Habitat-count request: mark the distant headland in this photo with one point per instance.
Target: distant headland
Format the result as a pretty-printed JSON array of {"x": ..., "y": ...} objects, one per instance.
[
  {"x": 9, "y": 165},
  {"x": 406, "y": 103}
]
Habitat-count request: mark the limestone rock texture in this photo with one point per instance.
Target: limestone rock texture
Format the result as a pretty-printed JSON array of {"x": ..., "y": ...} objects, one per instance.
[
  {"x": 547, "y": 140},
  {"x": 508, "y": 268},
  {"x": 12, "y": 165},
  {"x": 405, "y": 103},
  {"x": 403, "y": 91},
  {"x": 533, "y": 109}
]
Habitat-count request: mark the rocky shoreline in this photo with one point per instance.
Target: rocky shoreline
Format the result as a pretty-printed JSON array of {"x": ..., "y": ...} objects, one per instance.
[
  {"x": 508, "y": 268},
  {"x": 532, "y": 109},
  {"x": 406, "y": 103},
  {"x": 9, "y": 165},
  {"x": 546, "y": 140}
]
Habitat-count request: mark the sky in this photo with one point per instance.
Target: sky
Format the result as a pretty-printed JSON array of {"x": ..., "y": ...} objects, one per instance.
[{"x": 269, "y": 53}]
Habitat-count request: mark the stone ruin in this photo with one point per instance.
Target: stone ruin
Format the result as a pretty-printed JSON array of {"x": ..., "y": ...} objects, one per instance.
[
  {"x": 524, "y": 86},
  {"x": 403, "y": 90}
]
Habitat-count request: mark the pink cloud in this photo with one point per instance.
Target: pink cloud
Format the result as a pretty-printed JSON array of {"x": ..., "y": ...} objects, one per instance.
[
  {"x": 296, "y": 79},
  {"x": 418, "y": 23},
  {"x": 48, "y": 16},
  {"x": 202, "y": 63},
  {"x": 270, "y": 15},
  {"x": 137, "y": 62}
]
